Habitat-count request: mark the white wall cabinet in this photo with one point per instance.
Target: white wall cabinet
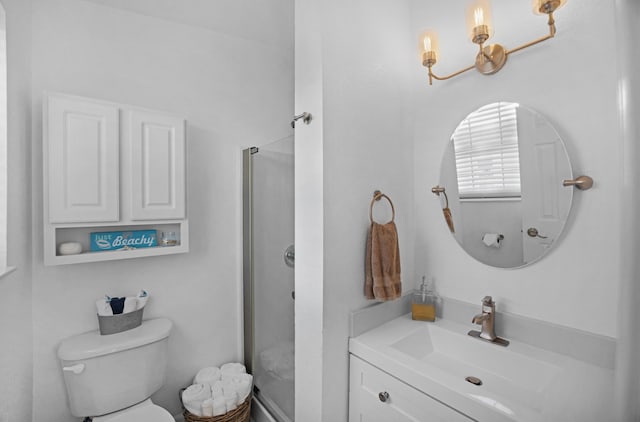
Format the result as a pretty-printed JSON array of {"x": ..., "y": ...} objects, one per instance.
[
  {"x": 84, "y": 173},
  {"x": 157, "y": 172},
  {"x": 111, "y": 167},
  {"x": 375, "y": 396}
]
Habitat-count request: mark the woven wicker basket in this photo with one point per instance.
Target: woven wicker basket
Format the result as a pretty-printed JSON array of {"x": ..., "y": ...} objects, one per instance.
[{"x": 242, "y": 413}]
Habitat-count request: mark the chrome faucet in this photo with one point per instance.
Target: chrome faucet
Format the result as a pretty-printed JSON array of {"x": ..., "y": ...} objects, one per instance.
[{"x": 487, "y": 320}]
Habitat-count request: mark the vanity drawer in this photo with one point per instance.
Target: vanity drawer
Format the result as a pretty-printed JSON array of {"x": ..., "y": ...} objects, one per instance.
[{"x": 401, "y": 403}]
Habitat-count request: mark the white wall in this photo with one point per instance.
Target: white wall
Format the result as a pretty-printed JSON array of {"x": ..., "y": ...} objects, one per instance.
[
  {"x": 15, "y": 289},
  {"x": 503, "y": 218},
  {"x": 579, "y": 100},
  {"x": 365, "y": 85},
  {"x": 627, "y": 368},
  {"x": 234, "y": 92},
  {"x": 365, "y": 144}
]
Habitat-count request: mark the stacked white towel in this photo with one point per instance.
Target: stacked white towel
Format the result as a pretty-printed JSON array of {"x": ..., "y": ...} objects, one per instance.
[
  {"x": 207, "y": 375},
  {"x": 104, "y": 307},
  {"x": 130, "y": 305},
  {"x": 233, "y": 368},
  {"x": 230, "y": 395},
  {"x": 216, "y": 391},
  {"x": 241, "y": 384},
  {"x": 219, "y": 406},
  {"x": 207, "y": 407},
  {"x": 194, "y": 397}
]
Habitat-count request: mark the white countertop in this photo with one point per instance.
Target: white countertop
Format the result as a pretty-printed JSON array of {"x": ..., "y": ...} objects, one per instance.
[{"x": 520, "y": 382}]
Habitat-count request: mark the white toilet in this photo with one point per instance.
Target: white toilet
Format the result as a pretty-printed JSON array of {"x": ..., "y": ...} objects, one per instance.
[{"x": 110, "y": 378}]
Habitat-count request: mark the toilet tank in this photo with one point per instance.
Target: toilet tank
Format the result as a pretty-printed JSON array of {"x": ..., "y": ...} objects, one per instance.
[{"x": 104, "y": 374}]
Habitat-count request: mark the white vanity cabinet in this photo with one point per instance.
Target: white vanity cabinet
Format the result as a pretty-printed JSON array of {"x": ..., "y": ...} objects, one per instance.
[
  {"x": 375, "y": 396},
  {"x": 111, "y": 167}
]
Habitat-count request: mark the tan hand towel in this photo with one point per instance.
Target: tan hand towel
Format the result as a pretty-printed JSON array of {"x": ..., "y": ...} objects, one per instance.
[
  {"x": 449, "y": 219},
  {"x": 382, "y": 266}
]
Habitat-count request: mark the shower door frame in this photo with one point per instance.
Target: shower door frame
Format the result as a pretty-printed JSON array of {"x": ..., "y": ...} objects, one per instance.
[{"x": 248, "y": 276}]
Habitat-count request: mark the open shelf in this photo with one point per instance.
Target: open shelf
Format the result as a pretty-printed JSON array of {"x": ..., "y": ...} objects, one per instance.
[{"x": 55, "y": 235}]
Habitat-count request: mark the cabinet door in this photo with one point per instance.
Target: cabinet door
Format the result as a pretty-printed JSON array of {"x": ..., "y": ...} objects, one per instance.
[
  {"x": 158, "y": 180},
  {"x": 403, "y": 403},
  {"x": 81, "y": 153}
]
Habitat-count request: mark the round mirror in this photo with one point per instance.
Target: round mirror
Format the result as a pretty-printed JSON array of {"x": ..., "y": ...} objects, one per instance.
[{"x": 501, "y": 185}]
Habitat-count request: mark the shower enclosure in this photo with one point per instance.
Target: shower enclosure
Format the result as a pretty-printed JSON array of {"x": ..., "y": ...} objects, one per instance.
[{"x": 268, "y": 275}]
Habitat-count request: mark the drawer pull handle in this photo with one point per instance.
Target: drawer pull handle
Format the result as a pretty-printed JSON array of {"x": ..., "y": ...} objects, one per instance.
[{"x": 383, "y": 396}]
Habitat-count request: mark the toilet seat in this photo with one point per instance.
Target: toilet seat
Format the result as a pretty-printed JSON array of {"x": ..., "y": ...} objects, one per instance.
[{"x": 146, "y": 411}]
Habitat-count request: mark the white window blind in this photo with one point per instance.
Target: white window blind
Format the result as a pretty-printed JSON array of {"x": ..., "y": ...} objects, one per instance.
[{"x": 486, "y": 152}]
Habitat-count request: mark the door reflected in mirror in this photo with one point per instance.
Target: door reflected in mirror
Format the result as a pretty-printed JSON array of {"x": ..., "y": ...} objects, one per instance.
[{"x": 502, "y": 172}]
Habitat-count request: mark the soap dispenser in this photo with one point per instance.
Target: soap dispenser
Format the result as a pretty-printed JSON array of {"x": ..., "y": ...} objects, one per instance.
[{"x": 424, "y": 302}]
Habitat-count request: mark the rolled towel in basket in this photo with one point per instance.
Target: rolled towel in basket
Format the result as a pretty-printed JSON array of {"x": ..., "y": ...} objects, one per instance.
[
  {"x": 219, "y": 406},
  {"x": 194, "y": 396},
  {"x": 216, "y": 389},
  {"x": 104, "y": 307},
  {"x": 207, "y": 407},
  {"x": 143, "y": 296},
  {"x": 241, "y": 383},
  {"x": 130, "y": 305},
  {"x": 230, "y": 395},
  {"x": 233, "y": 368},
  {"x": 207, "y": 375}
]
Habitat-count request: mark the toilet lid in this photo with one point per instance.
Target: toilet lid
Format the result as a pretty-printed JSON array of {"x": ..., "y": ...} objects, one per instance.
[{"x": 143, "y": 412}]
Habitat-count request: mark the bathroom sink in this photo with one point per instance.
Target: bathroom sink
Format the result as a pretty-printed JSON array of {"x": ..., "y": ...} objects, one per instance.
[
  {"x": 500, "y": 370},
  {"x": 485, "y": 381}
]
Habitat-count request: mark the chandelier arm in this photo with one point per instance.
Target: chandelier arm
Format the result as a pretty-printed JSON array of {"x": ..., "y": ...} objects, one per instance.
[
  {"x": 444, "y": 78},
  {"x": 552, "y": 33}
]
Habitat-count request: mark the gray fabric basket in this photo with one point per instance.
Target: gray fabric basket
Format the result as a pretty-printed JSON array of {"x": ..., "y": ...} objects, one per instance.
[{"x": 119, "y": 323}]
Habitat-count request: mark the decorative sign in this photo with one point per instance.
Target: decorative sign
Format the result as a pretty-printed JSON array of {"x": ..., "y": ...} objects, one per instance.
[{"x": 112, "y": 241}]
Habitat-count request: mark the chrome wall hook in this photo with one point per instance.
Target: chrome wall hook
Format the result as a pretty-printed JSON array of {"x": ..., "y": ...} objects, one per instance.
[{"x": 306, "y": 118}]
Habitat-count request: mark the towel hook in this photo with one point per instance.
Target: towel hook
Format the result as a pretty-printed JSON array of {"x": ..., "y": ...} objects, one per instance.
[
  {"x": 581, "y": 182},
  {"x": 377, "y": 195}
]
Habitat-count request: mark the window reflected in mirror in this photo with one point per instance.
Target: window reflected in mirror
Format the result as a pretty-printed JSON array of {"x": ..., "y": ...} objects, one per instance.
[{"x": 486, "y": 153}]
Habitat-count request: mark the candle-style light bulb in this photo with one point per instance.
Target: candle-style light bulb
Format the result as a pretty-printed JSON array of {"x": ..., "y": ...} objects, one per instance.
[
  {"x": 427, "y": 44},
  {"x": 428, "y": 48},
  {"x": 479, "y": 21},
  {"x": 478, "y": 16}
]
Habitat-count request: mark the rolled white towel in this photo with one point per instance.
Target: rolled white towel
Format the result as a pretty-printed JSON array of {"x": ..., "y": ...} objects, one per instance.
[
  {"x": 143, "y": 296},
  {"x": 130, "y": 305},
  {"x": 216, "y": 389},
  {"x": 194, "y": 396},
  {"x": 241, "y": 383},
  {"x": 233, "y": 368},
  {"x": 207, "y": 407},
  {"x": 104, "y": 307},
  {"x": 207, "y": 375},
  {"x": 230, "y": 395},
  {"x": 219, "y": 406}
]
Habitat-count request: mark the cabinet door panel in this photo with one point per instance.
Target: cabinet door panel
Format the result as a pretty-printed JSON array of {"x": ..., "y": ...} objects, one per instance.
[
  {"x": 157, "y": 166},
  {"x": 82, "y": 154},
  {"x": 404, "y": 403}
]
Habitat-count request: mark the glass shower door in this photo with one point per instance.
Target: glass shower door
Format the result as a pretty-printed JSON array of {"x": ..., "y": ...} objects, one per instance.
[{"x": 269, "y": 275}]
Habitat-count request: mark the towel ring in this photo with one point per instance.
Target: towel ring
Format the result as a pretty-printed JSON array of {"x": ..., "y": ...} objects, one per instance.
[
  {"x": 377, "y": 195},
  {"x": 440, "y": 190}
]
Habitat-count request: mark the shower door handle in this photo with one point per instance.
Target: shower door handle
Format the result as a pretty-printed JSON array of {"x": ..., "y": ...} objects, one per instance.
[{"x": 306, "y": 118}]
